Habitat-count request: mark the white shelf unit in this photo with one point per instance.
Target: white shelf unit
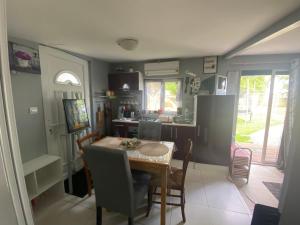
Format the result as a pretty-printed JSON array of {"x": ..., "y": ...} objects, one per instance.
[{"x": 43, "y": 173}]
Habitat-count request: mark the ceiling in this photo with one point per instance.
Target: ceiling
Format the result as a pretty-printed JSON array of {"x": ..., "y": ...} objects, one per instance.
[
  {"x": 165, "y": 29},
  {"x": 285, "y": 43}
]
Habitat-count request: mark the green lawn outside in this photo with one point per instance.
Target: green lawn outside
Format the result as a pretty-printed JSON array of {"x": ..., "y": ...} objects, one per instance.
[{"x": 245, "y": 129}]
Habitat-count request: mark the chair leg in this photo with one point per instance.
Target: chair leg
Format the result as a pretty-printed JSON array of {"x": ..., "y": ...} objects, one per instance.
[
  {"x": 150, "y": 195},
  {"x": 169, "y": 191},
  {"x": 130, "y": 221},
  {"x": 88, "y": 180},
  {"x": 182, "y": 203},
  {"x": 99, "y": 215}
]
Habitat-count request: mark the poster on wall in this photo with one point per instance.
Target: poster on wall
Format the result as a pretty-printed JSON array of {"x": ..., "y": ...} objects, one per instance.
[
  {"x": 210, "y": 65},
  {"x": 76, "y": 115},
  {"x": 24, "y": 59}
]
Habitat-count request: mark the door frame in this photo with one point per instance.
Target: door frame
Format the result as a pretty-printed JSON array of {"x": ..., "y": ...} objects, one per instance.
[
  {"x": 268, "y": 116},
  {"x": 10, "y": 150}
]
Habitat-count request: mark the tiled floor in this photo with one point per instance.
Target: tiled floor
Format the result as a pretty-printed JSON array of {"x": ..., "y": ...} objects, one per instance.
[
  {"x": 210, "y": 200},
  {"x": 255, "y": 191}
]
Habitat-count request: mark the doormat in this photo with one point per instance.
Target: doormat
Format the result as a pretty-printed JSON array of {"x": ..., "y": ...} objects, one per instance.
[{"x": 274, "y": 188}]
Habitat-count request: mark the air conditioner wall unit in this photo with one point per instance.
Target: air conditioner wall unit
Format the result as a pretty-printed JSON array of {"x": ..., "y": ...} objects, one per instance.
[{"x": 162, "y": 68}]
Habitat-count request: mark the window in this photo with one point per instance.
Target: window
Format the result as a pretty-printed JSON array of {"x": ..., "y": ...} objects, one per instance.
[
  {"x": 163, "y": 94},
  {"x": 66, "y": 78}
]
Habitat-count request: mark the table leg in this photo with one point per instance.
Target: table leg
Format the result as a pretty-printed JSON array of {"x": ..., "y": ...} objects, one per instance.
[{"x": 164, "y": 178}]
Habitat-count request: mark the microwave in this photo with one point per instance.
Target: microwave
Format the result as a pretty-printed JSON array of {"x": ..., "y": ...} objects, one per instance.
[{"x": 214, "y": 85}]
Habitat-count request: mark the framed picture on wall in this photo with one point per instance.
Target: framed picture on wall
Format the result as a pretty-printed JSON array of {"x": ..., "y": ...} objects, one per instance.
[
  {"x": 210, "y": 65},
  {"x": 24, "y": 59}
]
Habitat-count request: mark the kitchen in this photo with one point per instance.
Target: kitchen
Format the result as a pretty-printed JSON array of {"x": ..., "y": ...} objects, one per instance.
[
  {"x": 196, "y": 70},
  {"x": 202, "y": 120}
]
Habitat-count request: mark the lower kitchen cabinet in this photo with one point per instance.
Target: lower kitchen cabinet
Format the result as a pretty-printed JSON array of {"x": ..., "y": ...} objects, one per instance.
[
  {"x": 122, "y": 129},
  {"x": 179, "y": 135}
]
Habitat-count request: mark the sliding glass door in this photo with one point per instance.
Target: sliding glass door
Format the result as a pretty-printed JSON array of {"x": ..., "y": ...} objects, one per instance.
[
  {"x": 261, "y": 113},
  {"x": 278, "y": 106}
]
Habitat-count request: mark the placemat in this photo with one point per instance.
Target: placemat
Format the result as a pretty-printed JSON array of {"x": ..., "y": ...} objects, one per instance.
[{"x": 153, "y": 149}]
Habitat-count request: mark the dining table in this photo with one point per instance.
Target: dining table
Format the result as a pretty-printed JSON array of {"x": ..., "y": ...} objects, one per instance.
[{"x": 150, "y": 156}]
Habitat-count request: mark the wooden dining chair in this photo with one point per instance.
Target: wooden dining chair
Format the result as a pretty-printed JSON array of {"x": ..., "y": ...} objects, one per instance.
[
  {"x": 149, "y": 130},
  {"x": 176, "y": 180},
  {"x": 82, "y": 142}
]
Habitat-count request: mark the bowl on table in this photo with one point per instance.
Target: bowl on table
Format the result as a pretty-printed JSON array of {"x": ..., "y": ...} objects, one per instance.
[{"x": 130, "y": 144}]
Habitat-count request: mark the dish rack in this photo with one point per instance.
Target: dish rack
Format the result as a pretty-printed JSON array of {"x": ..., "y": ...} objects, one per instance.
[{"x": 241, "y": 159}]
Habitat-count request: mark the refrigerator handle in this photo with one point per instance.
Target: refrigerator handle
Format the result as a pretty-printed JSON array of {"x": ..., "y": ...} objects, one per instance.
[
  {"x": 171, "y": 132},
  {"x": 205, "y": 136},
  {"x": 198, "y": 131}
]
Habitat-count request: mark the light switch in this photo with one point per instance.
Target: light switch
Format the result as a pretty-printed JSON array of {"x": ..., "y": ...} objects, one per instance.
[{"x": 33, "y": 110}]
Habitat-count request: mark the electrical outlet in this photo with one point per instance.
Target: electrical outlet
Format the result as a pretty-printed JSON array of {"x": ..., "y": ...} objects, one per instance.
[{"x": 33, "y": 110}]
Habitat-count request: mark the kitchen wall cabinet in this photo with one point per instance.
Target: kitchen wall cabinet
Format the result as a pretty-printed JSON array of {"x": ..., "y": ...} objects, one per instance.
[
  {"x": 116, "y": 81},
  {"x": 214, "y": 128}
]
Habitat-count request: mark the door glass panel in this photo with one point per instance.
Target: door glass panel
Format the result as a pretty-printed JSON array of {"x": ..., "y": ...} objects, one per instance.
[
  {"x": 172, "y": 96},
  {"x": 153, "y": 95},
  {"x": 252, "y": 113},
  {"x": 279, "y": 106},
  {"x": 67, "y": 78}
]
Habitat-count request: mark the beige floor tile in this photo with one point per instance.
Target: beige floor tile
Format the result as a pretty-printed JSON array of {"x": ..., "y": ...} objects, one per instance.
[
  {"x": 154, "y": 217},
  {"x": 210, "y": 200},
  {"x": 222, "y": 217},
  {"x": 255, "y": 191},
  {"x": 222, "y": 194},
  {"x": 195, "y": 215}
]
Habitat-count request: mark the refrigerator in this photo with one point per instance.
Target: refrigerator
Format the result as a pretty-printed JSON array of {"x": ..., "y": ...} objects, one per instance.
[{"x": 214, "y": 129}]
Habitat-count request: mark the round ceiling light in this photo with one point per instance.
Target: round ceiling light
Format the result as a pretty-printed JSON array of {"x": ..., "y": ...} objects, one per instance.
[{"x": 128, "y": 44}]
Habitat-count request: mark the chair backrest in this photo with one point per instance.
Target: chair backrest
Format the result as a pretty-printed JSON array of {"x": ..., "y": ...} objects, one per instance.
[
  {"x": 112, "y": 178},
  {"x": 87, "y": 140},
  {"x": 187, "y": 157},
  {"x": 149, "y": 130}
]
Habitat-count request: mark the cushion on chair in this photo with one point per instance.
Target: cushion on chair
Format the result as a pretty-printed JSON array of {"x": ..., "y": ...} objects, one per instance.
[
  {"x": 174, "y": 179},
  {"x": 149, "y": 130}
]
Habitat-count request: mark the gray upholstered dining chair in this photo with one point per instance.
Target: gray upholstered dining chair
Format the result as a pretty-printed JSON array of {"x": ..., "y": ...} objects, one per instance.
[
  {"x": 115, "y": 188},
  {"x": 149, "y": 130}
]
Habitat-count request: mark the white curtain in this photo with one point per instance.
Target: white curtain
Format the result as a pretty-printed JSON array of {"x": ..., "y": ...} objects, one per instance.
[
  {"x": 289, "y": 119},
  {"x": 233, "y": 88}
]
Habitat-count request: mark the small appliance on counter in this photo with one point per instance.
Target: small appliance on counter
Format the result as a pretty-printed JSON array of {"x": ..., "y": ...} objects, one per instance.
[{"x": 127, "y": 104}]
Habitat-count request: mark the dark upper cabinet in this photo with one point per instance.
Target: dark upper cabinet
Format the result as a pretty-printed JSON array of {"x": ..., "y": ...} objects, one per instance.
[
  {"x": 214, "y": 129},
  {"x": 117, "y": 81}
]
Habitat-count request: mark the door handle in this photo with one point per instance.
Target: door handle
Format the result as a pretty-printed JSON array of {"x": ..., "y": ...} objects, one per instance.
[
  {"x": 176, "y": 132},
  {"x": 119, "y": 125},
  {"x": 198, "y": 131},
  {"x": 171, "y": 132},
  {"x": 205, "y": 135}
]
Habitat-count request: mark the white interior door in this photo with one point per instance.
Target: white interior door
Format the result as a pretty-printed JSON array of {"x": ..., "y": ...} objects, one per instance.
[{"x": 63, "y": 77}]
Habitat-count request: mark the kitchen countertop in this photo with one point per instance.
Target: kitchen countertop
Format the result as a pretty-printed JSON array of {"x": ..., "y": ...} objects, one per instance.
[{"x": 170, "y": 124}]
